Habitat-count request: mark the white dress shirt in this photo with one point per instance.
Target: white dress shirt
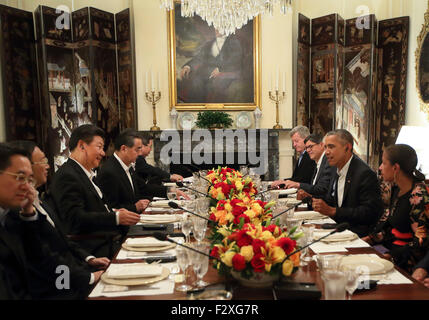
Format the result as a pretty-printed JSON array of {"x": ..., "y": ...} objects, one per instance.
[
  {"x": 342, "y": 174},
  {"x": 319, "y": 163},
  {"x": 37, "y": 204},
  {"x": 126, "y": 169},
  {"x": 217, "y": 45},
  {"x": 90, "y": 176},
  {"x": 3, "y": 214}
]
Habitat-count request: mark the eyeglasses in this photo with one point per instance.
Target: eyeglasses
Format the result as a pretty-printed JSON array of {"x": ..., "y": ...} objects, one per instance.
[
  {"x": 43, "y": 161},
  {"x": 310, "y": 147},
  {"x": 21, "y": 178}
]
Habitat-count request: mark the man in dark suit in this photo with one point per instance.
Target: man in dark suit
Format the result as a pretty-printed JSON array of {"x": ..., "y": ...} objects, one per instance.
[
  {"x": 84, "y": 268},
  {"x": 354, "y": 195},
  {"x": 27, "y": 267},
  {"x": 323, "y": 173},
  {"x": 124, "y": 192},
  {"x": 79, "y": 201},
  {"x": 304, "y": 167},
  {"x": 149, "y": 178}
]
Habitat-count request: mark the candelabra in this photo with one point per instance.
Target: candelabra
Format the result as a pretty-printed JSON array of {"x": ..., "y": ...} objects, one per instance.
[
  {"x": 153, "y": 97},
  {"x": 277, "y": 98}
]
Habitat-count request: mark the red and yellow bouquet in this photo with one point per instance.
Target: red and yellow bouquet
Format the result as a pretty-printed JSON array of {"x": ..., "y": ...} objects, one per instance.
[
  {"x": 254, "y": 249},
  {"x": 228, "y": 183}
]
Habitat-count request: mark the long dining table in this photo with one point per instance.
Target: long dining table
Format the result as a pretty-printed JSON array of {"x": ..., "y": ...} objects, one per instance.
[{"x": 304, "y": 274}]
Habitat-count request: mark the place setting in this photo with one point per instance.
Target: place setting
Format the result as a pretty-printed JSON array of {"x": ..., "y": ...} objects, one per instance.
[{"x": 147, "y": 244}]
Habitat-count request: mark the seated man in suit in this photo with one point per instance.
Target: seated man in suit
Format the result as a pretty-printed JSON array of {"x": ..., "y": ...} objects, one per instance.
[
  {"x": 80, "y": 202},
  {"x": 123, "y": 193},
  {"x": 27, "y": 267},
  {"x": 149, "y": 178},
  {"x": 323, "y": 173},
  {"x": 304, "y": 167},
  {"x": 354, "y": 195},
  {"x": 81, "y": 263}
]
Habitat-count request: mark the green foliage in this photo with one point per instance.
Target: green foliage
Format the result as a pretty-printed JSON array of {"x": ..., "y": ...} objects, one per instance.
[{"x": 208, "y": 119}]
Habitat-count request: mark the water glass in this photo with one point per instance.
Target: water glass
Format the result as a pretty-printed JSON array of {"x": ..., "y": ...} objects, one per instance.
[
  {"x": 203, "y": 205},
  {"x": 292, "y": 223},
  {"x": 183, "y": 260},
  {"x": 244, "y": 170},
  {"x": 308, "y": 235},
  {"x": 186, "y": 225},
  {"x": 171, "y": 193},
  {"x": 199, "y": 228},
  {"x": 352, "y": 276},
  {"x": 200, "y": 263},
  {"x": 334, "y": 284},
  {"x": 328, "y": 262}
]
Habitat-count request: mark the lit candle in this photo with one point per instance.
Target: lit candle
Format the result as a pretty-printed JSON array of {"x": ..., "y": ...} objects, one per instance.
[
  {"x": 159, "y": 81},
  {"x": 271, "y": 78},
  {"x": 284, "y": 81}
]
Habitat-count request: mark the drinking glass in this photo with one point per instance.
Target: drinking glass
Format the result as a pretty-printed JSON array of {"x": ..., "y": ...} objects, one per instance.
[
  {"x": 352, "y": 276},
  {"x": 186, "y": 226},
  {"x": 183, "y": 260},
  {"x": 244, "y": 170},
  {"x": 334, "y": 285},
  {"x": 292, "y": 223},
  {"x": 203, "y": 205},
  {"x": 328, "y": 262},
  {"x": 308, "y": 235},
  {"x": 171, "y": 193},
  {"x": 199, "y": 228},
  {"x": 200, "y": 263}
]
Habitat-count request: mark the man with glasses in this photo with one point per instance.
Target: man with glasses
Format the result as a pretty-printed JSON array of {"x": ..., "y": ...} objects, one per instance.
[
  {"x": 323, "y": 173},
  {"x": 84, "y": 268},
  {"x": 123, "y": 193},
  {"x": 80, "y": 202},
  {"x": 304, "y": 167}
]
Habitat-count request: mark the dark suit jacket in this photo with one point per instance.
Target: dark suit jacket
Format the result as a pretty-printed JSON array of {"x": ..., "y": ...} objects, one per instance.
[
  {"x": 82, "y": 212},
  {"x": 362, "y": 205},
  {"x": 28, "y": 267},
  {"x": 116, "y": 187},
  {"x": 148, "y": 179},
  {"x": 303, "y": 171},
  {"x": 323, "y": 180}
]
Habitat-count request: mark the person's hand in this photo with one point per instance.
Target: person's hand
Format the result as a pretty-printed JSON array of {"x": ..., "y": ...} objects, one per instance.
[
  {"x": 292, "y": 184},
  {"x": 128, "y": 218},
  {"x": 301, "y": 194},
  {"x": 367, "y": 239},
  {"x": 387, "y": 256},
  {"x": 214, "y": 73},
  {"x": 180, "y": 193},
  {"x": 426, "y": 282},
  {"x": 276, "y": 184},
  {"x": 176, "y": 177},
  {"x": 320, "y": 206},
  {"x": 184, "y": 73},
  {"x": 419, "y": 274},
  {"x": 27, "y": 204},
  {"x": 97, "y": 275},
  {"x": 100, "y": 263},
  {"x": 142, "y": 204}
]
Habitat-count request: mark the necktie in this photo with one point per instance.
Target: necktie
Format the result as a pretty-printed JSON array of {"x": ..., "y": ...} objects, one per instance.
[
  {"x": 334, "y": 193},
  {"x": 300, "y": 158},
  {"x": 314, "y": 175}
]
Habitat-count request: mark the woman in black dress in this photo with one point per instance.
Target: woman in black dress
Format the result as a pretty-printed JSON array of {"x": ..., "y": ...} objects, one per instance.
[{"x": 402, "y": 230}]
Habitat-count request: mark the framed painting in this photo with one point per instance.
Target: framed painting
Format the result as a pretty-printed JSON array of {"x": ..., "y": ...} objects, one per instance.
[{"x": 208, "y": 70}]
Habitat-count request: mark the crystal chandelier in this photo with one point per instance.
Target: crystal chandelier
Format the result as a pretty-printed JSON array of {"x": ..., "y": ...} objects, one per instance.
[{"x": 227, "y": 16}]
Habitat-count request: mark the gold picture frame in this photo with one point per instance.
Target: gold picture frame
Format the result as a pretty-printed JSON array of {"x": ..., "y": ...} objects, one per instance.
[
  {"x": 233, "y": 88},
  {"x": 422, "y": 65}
]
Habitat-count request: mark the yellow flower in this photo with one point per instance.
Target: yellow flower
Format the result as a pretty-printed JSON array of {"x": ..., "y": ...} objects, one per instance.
[
  {"x": 287, "y": 268},
  {"x": 228, "y": 207},
  {"x": 224, "y": 231},
  {"x": 227, "y": 258},
  {"x": 266, "y": 236},
  {"x": 238, "y": 185},
  {"x": 247, "y": 253},
  {"x": 277, "y": 254},
  {"x": 250, "y": 213}
]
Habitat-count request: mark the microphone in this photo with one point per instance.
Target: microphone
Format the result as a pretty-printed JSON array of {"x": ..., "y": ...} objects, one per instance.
[
  {"x": 174, "y": 205},
  {"x": 340, "y": 228},
  {"x": 181, "y": 185},
  {"x": 163, "y": 237},
  {"x": 305, "y": 200}
]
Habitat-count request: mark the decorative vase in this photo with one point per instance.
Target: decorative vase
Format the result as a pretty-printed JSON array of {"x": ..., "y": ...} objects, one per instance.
[{"x": 258, "y": 280}]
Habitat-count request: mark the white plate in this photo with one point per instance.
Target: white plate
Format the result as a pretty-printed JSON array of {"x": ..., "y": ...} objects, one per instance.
[
  {"x": 243, "y": 120},
  {"x": 187, "y": 121},
  {"x": 137, "y": 281},
  {"x": 371, "y": 265}
]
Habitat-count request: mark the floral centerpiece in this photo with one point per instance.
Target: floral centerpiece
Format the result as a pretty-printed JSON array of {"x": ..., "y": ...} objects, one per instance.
[{"x": 254, "y": 254}]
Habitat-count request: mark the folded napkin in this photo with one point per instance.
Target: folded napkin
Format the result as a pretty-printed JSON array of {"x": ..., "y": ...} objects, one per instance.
[
  {"x": 133, "y": 270},
  {"x": 169, "y": 184},
  {"x": 160, "y": 209},
  {"x": 308, "y": 215},
  {"x": 164, "y": 203},
  {"x": 320, "y": 247},
  {"x": 345, "y": 235},
  {"x": 146, "y": 242},
  {"x": 158, "y": 198},
  {"x": 288, "y": 191},
  {"x": 162, "y": 218}
]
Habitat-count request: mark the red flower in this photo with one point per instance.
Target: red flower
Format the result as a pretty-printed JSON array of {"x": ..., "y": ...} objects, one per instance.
[
  {"x": 221, "y": 205},
  {"x": 215, "y": 252},
  {"x": 257, "y": 244},
  {"x": 238, "y": 262},
  {"x": 257, "y": 263},
  {"x": 235, "y": 202},
  {"x": 272, "y": 228},
  {"x": 238, "y": 211},
  {"x": 243, "y": 239},
  {"x": 286, "y": 244},
  {"x": 212, "y": 217},
  {"x": 238, "y": 218}
]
